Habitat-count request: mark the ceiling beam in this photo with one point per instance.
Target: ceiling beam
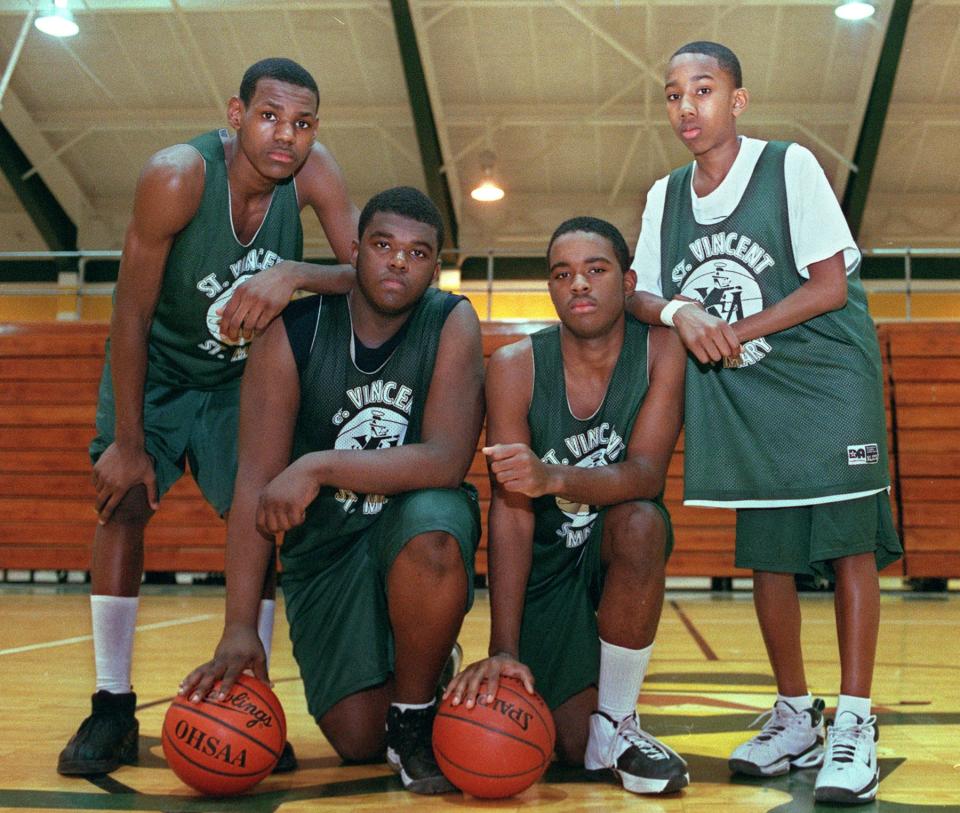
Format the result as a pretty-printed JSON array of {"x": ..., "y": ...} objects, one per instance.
[
  {"x": 56, "y": 228},
  {"x": 854, "y": 201},
  {"x": 425, "y": 124}
]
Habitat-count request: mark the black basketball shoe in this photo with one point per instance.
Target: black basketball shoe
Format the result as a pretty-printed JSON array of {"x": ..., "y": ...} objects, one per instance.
[
  {"x": 106, "y": 739},
  {"x": 410, "y": 750},
  {"x": 641, "y": 762},
  {"x": 288, "y": 760}
]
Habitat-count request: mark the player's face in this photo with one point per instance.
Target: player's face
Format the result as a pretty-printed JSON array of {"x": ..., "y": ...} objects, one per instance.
[
  {"x": 587, "y": 286},
  {"x": 276, "y": 130},
  {"x": 396, "y": 260},
  {"x": 702, "y": 102}
]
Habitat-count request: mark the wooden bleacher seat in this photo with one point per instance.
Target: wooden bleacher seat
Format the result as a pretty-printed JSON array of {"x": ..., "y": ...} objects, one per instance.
[{"x": 48, "y": 384}]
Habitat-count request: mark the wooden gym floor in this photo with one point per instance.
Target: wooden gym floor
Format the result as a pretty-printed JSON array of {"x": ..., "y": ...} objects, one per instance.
[{"x": 708, "y": 680}]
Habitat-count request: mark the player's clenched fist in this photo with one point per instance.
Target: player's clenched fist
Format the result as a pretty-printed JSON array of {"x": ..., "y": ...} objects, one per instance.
[
  {"x": 518, "y": 469},
  {"x": 284, "y": 500}
]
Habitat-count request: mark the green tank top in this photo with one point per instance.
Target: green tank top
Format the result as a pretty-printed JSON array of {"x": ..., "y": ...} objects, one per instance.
[
  {"x": 204, "y": 267},
  {"x": 562, "y": 528},
  {"x": 801, "y": 421},
  {"x": 343, "y": 407}
]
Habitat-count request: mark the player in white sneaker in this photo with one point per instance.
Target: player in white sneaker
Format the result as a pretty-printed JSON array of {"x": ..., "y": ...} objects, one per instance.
[
  {"x": 790, "y": 738},
  {"x": 850, "y": 773}
]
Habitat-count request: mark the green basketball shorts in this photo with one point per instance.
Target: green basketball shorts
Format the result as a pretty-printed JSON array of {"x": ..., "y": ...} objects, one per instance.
[
  {"x": 807, "y": 538},
  {"x": 181, "y": 426},
  {"x": 338, "y": 614},
  {"x": 559, "y": 641}
]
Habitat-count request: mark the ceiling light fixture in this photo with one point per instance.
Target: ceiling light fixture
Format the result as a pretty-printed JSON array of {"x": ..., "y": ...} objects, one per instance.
[
  {"x": 489, "y": 190},
  {"x": 57, "y": 21},
  {"x": 854, "y": 10}
]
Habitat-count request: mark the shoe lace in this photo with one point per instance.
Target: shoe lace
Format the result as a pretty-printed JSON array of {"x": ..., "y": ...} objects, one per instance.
[
  {"x": 844, "y": 742},
  {"x": 775, "y": 721},
  {"x": 630, "y": 730}
]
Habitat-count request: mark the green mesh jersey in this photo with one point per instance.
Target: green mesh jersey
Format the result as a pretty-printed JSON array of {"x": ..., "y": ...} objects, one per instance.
[
  {"x": 801, "y": 421},
  {"x": 342, "y": 407},
  {"x": 204, "y": 267},
  {"x": 561, "y": 527}
]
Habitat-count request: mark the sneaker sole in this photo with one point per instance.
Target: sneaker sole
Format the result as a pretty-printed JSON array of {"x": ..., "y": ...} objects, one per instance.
[
  {"x": 639, "y": 784},
  {"x": 809, "y": 759},
  {"x": 846, "y": 796}
]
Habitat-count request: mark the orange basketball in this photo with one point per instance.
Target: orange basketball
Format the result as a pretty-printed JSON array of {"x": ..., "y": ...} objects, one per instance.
[
  {"x": 222, "y": 747},
  {"x": 497, "y": 749}
]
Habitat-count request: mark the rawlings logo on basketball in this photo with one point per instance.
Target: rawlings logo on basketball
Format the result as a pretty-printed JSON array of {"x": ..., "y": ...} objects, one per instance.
[
  {"x": 512, "y": 712},
  {"x": 200, "y": 741},
  {"x": 241, "y": 702}
]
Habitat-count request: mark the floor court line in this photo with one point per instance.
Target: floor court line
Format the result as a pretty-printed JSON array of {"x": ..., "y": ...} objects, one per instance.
[{"x": 193, "y": 619}]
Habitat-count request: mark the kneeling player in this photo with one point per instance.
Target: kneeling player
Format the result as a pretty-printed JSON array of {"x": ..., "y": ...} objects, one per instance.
[
  {"x": 582, "y": 419},
  {"x": 345, "y": 400}
]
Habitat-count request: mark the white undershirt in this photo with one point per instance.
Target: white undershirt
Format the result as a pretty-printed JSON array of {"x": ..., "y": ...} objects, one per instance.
[{"x": 818, "y": 229}]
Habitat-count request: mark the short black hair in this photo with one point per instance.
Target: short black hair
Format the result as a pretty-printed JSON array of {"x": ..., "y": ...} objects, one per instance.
[
  {"x": 726, "y": 59},
  {"x": 279, "y": 68},
  {"x": 406, "y": 202},
  {"x": 594, "y": 225}
]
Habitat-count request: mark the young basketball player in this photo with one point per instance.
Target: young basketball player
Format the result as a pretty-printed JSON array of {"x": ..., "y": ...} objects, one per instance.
[
  {"x": 582, "y": 420},
  {"x": 745, "y": 251},
  {"x": 210, "y": 257},
  {"x": 359, "y": 418}
]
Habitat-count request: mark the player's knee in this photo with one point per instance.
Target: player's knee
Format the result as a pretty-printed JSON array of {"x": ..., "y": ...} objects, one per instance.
[
  {"x": 134, "y": 509},
  {"x": 638, "y": 537},
  {"x": 357, "y": 744},
  {"x": 436, "y": 553}
]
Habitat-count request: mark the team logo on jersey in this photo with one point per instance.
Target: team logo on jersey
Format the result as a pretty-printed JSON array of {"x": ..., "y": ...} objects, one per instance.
[
  {"x": 598, "y": 446},
  {"x": 375, "y": 427},
  {"x": 213, "y": 318},
  {"x": 728, "y": 290},
  {"x": 863, "y": 454}
]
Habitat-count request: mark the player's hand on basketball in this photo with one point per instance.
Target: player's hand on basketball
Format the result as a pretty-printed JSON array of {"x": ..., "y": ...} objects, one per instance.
[
  {"x": 284, "y": 500},
  {"x": 256, "y": 302},
  {"x": 465, "y": 687},
  {"x": 518, "y": 469},
  {"x": 119, "y": 469},
  {"x": 239, "y": 649},
  {"x": 709, "y": 339}
]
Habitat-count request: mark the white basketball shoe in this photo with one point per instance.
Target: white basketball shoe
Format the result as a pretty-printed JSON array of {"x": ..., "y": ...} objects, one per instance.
[{"x": 789, "y": 739}]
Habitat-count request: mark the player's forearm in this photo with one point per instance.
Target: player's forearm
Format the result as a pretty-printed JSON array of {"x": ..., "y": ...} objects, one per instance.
[
  {"x": 646, "y": 306},
  {"x": 129, "y": 335},
  {"x": 389, "y": 471},
  {"x": 607, "y": 485},
  {"x": 810, "y": 300},
  {"x": 510, "y": 555},
  {"x": 322, "y": 279},
  {"x": 248, "y": 555}
]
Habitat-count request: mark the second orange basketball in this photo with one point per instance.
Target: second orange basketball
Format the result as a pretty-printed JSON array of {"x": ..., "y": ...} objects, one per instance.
[{"x": 496, "y": 749}]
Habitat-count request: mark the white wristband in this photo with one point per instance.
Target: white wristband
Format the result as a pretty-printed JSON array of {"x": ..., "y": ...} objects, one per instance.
[{"x": 667, "y": 314}]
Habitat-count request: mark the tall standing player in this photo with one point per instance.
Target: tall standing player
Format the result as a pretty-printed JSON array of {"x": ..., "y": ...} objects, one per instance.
[
  {"x": 784, "y": 417},
  {"x": 359, "y": 418},
  {"x": 210, "y": 257},
  {"x": 582, "y": 420}
]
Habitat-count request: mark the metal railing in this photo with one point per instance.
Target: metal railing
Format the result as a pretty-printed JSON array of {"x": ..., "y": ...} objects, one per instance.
[{"x": 70, "y": 284}]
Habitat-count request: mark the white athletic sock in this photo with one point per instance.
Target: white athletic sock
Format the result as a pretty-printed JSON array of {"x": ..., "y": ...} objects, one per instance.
[
  {"x": 621, "y": 674},
  {"x": 799, "y": 703},
  {"x": 114, "y": 621},
  {"x": 415, "y": 706},
  {"x": 265, "y": 626},
  {"x": 858, "y": 705}
]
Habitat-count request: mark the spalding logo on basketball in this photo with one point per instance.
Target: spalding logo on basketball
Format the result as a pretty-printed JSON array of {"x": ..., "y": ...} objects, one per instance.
[
  {"x": 495, "y": 749},
  {"x": 223, "y": 747},
  {"x": 213, "y": 318}
]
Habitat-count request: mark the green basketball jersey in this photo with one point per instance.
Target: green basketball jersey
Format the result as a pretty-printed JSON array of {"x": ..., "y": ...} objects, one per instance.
[
  {"x": 342, "y": 407},
  {"x": 801, "y": 420},
  {"x": 561, "y": 527},
  {"x": 205, "y": 265}
]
